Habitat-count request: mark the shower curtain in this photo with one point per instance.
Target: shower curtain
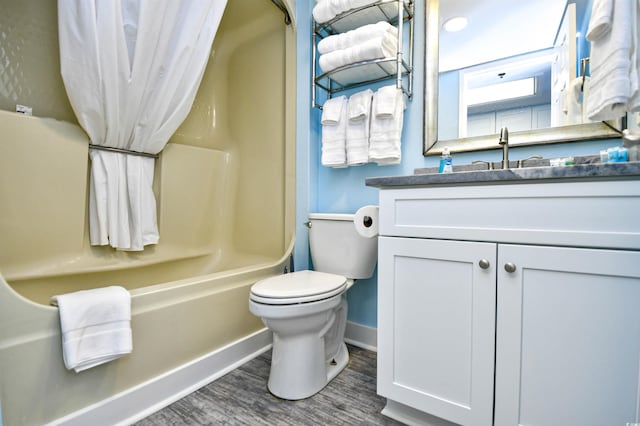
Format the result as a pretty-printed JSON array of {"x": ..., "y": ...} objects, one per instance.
[{"x": 131, "y": 69}]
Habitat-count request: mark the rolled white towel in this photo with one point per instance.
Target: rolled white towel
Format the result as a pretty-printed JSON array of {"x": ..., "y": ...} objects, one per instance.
[
  {"x": 326, "y": 10},
  {"x": 384, "y": 46},
  {"x": 334, "y": 133},
  {"x": 356, "y": 36},
  {"x": 322, "y": 11}
]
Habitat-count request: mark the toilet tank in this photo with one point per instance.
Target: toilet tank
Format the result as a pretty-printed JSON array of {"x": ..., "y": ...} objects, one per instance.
[{"x": 337, "y": 248}]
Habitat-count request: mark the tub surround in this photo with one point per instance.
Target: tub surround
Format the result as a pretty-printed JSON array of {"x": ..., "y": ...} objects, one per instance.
[{"x": 190, "y": 318}]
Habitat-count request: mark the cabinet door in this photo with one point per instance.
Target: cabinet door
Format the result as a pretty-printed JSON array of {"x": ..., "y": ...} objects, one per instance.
[
  {"x": 436, "y": 327},
  {"x": 568, "y": 337}
]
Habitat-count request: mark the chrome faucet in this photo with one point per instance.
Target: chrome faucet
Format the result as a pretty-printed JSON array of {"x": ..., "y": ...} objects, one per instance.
[{"x": 504, "y": 141}]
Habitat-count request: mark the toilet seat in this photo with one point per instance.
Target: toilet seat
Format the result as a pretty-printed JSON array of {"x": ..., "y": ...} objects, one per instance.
[{"x": 297, "y": 287}]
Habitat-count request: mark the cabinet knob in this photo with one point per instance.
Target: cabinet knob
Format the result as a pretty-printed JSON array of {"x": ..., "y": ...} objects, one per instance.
[
  {"x": 484, "y": 264},
  {"x": 509, "y": 267}
]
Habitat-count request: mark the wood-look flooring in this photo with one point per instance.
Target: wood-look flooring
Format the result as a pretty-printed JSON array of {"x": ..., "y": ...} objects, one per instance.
[{"x": 241, "y": 398}]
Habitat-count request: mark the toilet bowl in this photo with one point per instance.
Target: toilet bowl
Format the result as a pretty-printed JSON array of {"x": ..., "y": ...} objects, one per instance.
[
  {"x": 307, "y": 310},
  {"x": 306, "y": 353}
]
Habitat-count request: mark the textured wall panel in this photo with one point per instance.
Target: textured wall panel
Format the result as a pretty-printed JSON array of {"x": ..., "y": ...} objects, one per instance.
[{"x": 29, "y": 59}]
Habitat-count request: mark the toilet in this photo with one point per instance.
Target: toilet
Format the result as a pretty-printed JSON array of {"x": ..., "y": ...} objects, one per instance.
[{"x": 307, "y": 310}]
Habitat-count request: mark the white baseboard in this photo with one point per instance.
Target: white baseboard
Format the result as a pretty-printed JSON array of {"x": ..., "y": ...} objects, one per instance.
[
  {"x": 361, "y": 336},
  {"x": 139, "y": 402}
]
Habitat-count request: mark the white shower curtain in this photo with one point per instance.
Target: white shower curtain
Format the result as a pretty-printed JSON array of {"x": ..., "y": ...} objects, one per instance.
[{"x": 131, "y": 69}]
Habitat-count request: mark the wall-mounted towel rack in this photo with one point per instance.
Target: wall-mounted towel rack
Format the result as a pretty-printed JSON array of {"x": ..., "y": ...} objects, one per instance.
[
  {"x": 122, "y": 151},
  {"x": 400, "y": 68}
]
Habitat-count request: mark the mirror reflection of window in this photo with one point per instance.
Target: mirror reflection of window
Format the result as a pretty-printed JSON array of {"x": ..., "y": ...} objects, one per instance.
[
  {"x": 515, "y": 92},
  {"x": 537, "y": 44}
]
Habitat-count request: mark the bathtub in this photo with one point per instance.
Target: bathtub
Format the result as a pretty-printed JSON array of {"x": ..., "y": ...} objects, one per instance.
[{"x": 224, "y": 187}]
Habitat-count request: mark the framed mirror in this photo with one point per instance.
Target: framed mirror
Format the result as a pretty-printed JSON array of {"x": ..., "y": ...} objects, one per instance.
[{"x": 549, "y": 66}]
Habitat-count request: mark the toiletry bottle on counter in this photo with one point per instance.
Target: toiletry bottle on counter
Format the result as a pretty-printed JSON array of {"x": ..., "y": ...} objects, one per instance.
[{"x": 445, "y": 161}]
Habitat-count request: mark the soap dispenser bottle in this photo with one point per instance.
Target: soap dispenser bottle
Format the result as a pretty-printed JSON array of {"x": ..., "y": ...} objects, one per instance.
[{"x": 445, "y": 161}]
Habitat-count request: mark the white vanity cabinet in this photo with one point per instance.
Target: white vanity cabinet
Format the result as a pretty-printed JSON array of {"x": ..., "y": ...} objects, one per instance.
[
  {"x": 567, "y": 336},
  {"x": 510, "y": 304},
  {"x": 436, "y": 326}
]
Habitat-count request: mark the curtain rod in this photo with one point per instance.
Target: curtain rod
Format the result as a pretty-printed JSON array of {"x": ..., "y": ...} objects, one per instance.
[
  {"x": 122, "y": 151},
  {"x": 282, "y": 7}
]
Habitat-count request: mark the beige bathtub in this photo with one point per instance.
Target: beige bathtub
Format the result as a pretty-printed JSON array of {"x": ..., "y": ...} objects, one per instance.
[{"x": 224, "y": 188}]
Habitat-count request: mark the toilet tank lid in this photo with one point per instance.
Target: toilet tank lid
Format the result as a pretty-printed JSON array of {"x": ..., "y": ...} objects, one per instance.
[{"x": 331, "y": 216}]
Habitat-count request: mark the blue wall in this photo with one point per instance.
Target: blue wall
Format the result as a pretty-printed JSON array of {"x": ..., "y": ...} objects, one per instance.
[
  {"x": 448, "y": 105},
  {"x": 321, "y": 189}
]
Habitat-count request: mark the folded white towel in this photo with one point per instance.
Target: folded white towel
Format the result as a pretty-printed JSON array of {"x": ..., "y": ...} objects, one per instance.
[
  {"x": 360, "y": 105},
  {"x": 334, "y": 133},
  {"x": 601, "y": 19},
  {"x": 386, "y": 132},
  {"x": 383, "y": 46},
  {"x": 326, "y": 10},
  {"x": 95, "y": 326},
  {"x": 323, "y": 11},
  {"x": 386, "y": 104},
  {"x": 332, "y": 111},
  {"x": 358, "y": 128},
  {"x": 356, "y": 36},
  {"x": 614, "y": 86}
]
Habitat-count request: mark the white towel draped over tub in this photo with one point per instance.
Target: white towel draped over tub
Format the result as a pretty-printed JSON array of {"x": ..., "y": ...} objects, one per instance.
[
  {"x": 131, "y": 69},
  {"x": 95, "y": 326}
]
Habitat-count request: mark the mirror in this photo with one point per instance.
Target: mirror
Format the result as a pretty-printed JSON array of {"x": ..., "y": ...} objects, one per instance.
[{"x": 465, "y": 72}]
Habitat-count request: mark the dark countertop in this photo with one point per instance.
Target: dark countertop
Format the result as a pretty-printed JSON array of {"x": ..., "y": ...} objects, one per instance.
[{"x": 586, "y": 168}]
